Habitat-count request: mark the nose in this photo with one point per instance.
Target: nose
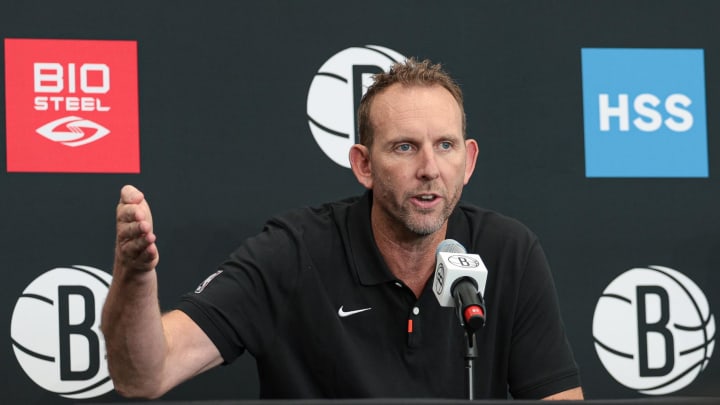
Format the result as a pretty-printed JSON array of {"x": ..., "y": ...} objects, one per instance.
[{"x": 427, "y": 165}]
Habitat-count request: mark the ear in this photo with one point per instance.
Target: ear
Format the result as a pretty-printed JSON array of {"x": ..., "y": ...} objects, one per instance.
[
  {"x": 360, "y": 164},
  {"x": 471, "y": 154}
]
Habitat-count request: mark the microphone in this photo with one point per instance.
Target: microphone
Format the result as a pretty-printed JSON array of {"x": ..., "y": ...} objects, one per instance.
[{"x": 459, "y": 282}]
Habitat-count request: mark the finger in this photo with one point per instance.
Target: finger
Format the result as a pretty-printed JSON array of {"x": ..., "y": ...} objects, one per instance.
[
  {"x": 145, "y": 259},
  {"x": 135, "y": 230},
  {"x": 134, "y": 247},
  {"x": 126, "y": 213},
  {"x": 130, "y": 195},
  {"x": 150, "y": 253},
  {"x": 130, "y": 213}
]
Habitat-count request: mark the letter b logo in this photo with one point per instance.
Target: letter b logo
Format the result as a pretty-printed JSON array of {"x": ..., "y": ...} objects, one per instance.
[
  {"x": 335, "y": 94},
  {"x": 659, "y": 327},
  {"x": 56, "y": 335},
  {"x": 653, "y": 330},
  {"x": 69, "y": 330}
]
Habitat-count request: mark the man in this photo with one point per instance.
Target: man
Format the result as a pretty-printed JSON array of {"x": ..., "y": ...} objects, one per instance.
[{"x": 336, "y": 301}]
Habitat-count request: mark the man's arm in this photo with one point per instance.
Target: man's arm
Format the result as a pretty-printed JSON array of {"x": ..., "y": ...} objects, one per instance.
[
  {"x": 573, "y": 393},
  {"x": 541, "y": 355},
  {"x": 148, "y": 353}
]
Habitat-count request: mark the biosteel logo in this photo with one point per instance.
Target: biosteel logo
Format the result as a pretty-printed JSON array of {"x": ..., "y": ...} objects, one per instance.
[{"x": 71, "y": 106}]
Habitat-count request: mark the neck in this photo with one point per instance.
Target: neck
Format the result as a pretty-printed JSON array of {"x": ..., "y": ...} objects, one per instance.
[{"x": 410, "y": 257}]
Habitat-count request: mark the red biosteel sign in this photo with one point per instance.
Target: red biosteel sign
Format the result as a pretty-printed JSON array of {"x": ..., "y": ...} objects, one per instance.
[{"x": 71, "y": 106}]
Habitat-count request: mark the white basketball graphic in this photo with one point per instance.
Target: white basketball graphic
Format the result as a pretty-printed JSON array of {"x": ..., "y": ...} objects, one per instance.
[
  {"x": 334, "y": 92},
  {"x": 653, "y": 330},
  {"x": 55, "y": 332}
]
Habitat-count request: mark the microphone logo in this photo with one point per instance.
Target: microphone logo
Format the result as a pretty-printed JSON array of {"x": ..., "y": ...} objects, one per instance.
[
  {"x": 454, "y": 266},
  {"x": 464, "y": 261},
  {"x": 439, "y": 278}
]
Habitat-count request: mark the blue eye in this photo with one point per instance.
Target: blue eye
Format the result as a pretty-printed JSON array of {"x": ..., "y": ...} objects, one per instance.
[
  {"x": 403, "y": 147},
  {"x": 445, "y": 145}
]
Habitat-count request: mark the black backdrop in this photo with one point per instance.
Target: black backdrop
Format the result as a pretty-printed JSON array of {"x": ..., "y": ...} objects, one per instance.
[{"x": 225, "y": 144}]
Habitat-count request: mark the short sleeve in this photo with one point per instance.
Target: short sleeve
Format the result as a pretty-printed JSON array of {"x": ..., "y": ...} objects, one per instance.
[
  {"x": 239, "y": 309},
  {"x": 541, "y": 359}
]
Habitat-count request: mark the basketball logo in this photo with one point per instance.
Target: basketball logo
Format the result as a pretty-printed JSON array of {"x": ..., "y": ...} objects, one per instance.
[
  {"x": 55, "y": 332},
  {"x": 335, "y": 94},
  {"x": 653, "y": 330}
]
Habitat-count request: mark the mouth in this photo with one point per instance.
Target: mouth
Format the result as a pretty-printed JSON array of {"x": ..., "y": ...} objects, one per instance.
[
  {"x": 426, "y": 197},
  {"x": 426, "y": 200}
]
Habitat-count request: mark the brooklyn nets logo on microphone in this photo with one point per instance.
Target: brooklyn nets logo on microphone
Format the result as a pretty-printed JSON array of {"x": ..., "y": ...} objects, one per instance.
[
  {"x": 653, "y": 330},
  {"x": 466, "y": 261}
]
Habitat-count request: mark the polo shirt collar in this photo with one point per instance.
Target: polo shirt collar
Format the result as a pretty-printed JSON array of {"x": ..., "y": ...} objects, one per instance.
[{"x": 369, "y": 264}]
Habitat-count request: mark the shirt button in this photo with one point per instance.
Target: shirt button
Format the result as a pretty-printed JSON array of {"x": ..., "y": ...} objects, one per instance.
[{"x": 416, "y": 310}]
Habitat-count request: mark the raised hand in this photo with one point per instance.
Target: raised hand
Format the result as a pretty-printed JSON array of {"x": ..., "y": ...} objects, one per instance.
[{"x": 135, "y": 248}]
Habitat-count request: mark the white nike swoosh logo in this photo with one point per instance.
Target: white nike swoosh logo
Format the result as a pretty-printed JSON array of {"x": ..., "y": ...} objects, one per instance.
[{"x": 344, "y": 314}]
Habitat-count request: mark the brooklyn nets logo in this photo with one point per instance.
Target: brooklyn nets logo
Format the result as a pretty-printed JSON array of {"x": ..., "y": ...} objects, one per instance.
[
  {"x": 464, "y": 261},
  {"x": 653, "y": 330},
  {"x": 55, "y": 332},
  {"x": 335, "y": 94}
]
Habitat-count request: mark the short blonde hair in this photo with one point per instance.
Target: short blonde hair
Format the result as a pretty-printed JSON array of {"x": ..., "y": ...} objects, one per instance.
[{"x": 410, "y": 73}]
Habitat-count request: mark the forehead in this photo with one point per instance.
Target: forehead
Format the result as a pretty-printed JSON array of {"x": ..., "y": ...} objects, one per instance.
[{"x": 416, "y": 108}]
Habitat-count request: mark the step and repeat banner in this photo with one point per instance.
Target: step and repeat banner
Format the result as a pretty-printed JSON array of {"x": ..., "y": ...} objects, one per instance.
[{"x": 598, "y": 124}]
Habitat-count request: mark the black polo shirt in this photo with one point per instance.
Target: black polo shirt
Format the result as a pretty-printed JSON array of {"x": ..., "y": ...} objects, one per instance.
[{"x": 311, "y": 298}]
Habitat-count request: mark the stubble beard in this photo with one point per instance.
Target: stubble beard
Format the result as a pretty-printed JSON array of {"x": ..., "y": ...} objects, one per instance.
[{"x": 422, "y": 222}]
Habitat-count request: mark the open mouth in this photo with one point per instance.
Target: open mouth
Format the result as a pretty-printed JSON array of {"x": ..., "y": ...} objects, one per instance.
[{"x": 426, "y": 198}]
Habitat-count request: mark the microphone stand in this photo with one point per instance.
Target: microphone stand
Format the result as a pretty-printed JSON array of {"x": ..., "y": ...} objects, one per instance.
[
  {"x": 471, "y": 311},
  {"x": 471, "y": 353}
]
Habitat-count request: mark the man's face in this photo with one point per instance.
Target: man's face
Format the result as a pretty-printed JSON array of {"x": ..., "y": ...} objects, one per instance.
[{"x": 418, "y": 162}]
